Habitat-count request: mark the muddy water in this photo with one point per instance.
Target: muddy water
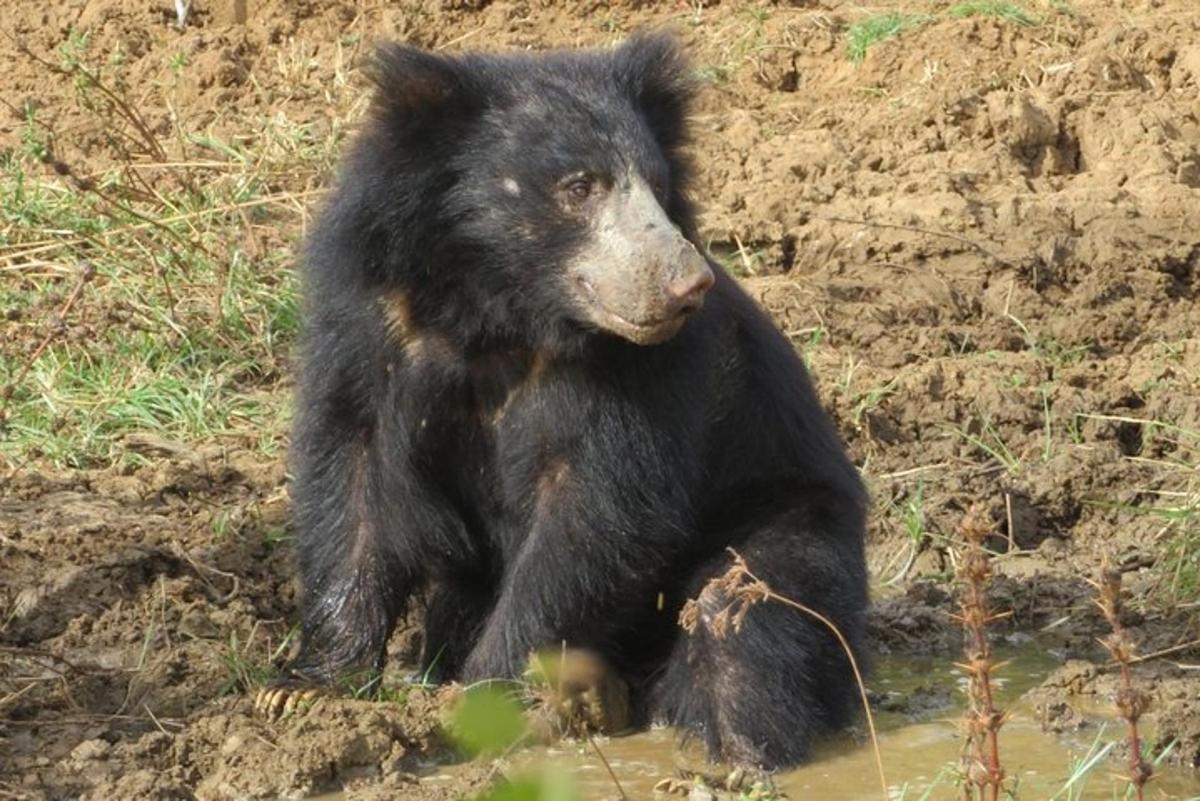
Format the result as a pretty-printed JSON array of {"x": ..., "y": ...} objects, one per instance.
[{"x": 919, "y": 740}]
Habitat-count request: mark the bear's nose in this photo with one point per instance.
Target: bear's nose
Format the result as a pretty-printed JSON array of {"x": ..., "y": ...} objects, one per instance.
[{"x": 688, "y": 290}]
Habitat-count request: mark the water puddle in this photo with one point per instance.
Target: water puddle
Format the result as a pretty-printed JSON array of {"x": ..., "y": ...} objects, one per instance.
[{"x": 920, "y": 742}]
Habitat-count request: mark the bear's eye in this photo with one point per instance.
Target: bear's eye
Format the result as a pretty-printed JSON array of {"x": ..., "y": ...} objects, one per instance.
[{"x": 579, "y": 188}]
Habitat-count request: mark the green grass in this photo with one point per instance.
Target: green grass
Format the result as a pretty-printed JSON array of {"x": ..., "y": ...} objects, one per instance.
[
  {"x": 870, "y": 400},
  {"x": 862, "y": 35},
  {"x": 1057, "y": 354},
  {"x": 1009, "y": 12},
  {"x": 990, "y": 443},
  {"x": 760, "y": 791},
  {"x": 1178, "y": 564},
  {"x": 1174, "y": 500},
  {"x": 250, "y": 665},
  {"x": 912, "y": 515},
  {"x": 184, "y": 352},
  {"x": 865, "y": 34},
  {"x": 185, "y": 329},
  {"x": 1081, "y": 769},
  {"x": 745, "y": 37},
  {"x": 808, "y": 348}
]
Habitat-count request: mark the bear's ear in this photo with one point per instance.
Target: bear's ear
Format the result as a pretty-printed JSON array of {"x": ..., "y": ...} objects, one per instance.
[
  {"x": 415, "y": 87},
  {"x": 651, "y": 68}
]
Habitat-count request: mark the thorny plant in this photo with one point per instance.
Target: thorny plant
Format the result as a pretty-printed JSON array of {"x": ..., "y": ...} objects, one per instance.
[
  {"x": 744, "y": 589},
  {"x": 983, "y": 774},
  {"x": 1131, "y": 703}
]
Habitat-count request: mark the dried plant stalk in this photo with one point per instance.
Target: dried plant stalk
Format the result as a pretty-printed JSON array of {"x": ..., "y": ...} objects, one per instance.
[
  {"x": 1131, "y": 703},
  {"x": 982, "y": 769}
]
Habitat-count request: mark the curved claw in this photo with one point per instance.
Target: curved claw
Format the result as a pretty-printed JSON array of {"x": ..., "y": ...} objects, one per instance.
[{"x": 278, "y": 703}]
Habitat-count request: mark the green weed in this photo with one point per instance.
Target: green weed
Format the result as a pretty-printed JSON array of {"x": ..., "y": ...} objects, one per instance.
[
  {"x": 913, "y": 515},
  {"x": 1047, "y": 422},
  {"x": 1009, "y": 12},
  {"x": 871, "y": 399},
  {"x": 760, "y": 791},
  {"x": 1063, "y": 7},
  {"x": 276, "y": 535},
  {"x": 487, "y": 720},
  {"x": 1073, "y": 788},
  {"x": 916, "y": 536},
  {"x": 746, "y": 38},
  {"x": 1178, "y": 564},
  {"x": 862, "y": 35},
  {"x": 1049, "y": 349},
  {"x": 815, "y": 337},
  {"x": 1177, "y": 504},
  {"x": 250, "y": 666},
  {"x": 992, "y": 444},
  {"x": 367, "y": 685},
  {"x": 177, "y": 63}
]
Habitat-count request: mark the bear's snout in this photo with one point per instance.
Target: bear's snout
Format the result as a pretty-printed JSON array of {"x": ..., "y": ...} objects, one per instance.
[
  {"x": 687, "y": 290},
  {"x": 637, "y": 276}
]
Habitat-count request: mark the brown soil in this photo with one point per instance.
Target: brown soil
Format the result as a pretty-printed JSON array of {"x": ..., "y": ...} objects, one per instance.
[{"x": 984, "y": 232}]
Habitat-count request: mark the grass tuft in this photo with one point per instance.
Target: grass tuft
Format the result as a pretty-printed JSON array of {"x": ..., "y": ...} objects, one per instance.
[
  {"x": 872, "y": 30},
  {"x": 863, "y": 35},
  {"x": 1009, "y": 12}
]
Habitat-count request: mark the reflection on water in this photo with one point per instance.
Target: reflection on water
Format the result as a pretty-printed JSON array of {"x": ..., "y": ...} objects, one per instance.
[{"x": 920, "y": 745}]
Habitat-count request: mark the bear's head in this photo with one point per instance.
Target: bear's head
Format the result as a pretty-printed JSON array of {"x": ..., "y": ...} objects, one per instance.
[{"x": 532, "y": 198}]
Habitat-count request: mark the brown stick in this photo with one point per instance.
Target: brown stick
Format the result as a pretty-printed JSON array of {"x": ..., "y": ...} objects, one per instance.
[{"x": 916, "y": 230}]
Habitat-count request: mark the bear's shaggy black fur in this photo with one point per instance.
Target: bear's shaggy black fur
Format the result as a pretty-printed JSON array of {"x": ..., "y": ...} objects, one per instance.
[{"x": 523, "y": 397}]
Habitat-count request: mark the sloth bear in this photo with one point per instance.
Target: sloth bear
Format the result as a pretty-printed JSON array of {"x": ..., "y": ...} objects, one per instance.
[{"x": 528, "y": 398}]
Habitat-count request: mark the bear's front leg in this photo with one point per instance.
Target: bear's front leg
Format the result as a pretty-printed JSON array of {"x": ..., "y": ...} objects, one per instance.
[
  {"x": 370, "y": 528},
  {"x": 608, "y": 518},
  {"x": 353, "y": 578}
]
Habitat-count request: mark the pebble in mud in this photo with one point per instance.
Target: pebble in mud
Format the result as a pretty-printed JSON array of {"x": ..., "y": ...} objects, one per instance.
[{"x": 90, "y": 750}]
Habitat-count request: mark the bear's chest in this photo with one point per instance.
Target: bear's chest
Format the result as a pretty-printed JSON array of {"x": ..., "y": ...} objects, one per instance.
[{"x": 512, "y": 417}]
